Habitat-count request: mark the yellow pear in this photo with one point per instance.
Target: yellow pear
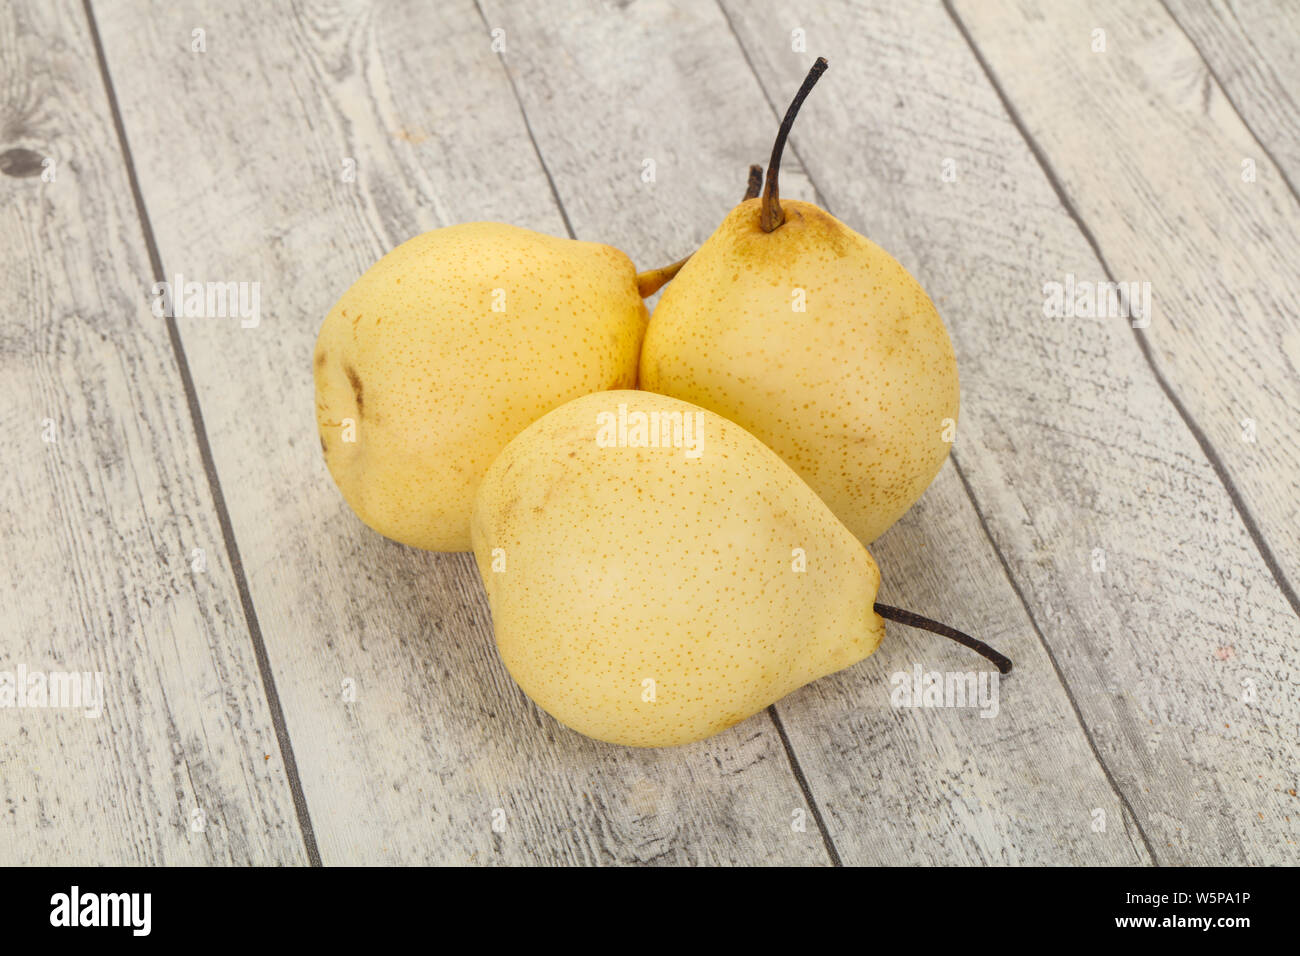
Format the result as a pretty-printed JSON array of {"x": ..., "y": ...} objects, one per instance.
[
  {"x": 819, "y": 342},
  {"x": 657, "y": 574},
  {"x": 446, "y": 349}
]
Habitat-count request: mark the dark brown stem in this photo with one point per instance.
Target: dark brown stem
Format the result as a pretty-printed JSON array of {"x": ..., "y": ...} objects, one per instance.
[
  {"x": 772, "y": 215},
  {"x": 755, "y": 182},
  {"x": 915, "y": 620}
]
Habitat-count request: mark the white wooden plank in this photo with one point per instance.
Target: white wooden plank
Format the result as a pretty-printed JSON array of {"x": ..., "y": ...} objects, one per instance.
[
  {"x": 927, "y": 786},
  {"x": 1252, "y": 49},
  {"x": 1071, "y": 449},
  {"x": 102, "y": 520},
  {"x": 1172, "y": 207},
  {"x": 439, "y": 737}
]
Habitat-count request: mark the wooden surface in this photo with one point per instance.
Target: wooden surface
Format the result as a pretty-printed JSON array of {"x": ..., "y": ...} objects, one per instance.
[{"x": 1160, "y": 694}]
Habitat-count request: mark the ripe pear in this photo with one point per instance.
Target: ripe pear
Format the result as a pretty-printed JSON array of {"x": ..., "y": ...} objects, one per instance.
[
  {"x": 447, "y": 348},
  {"x": 819, "y": 342},
  {"x": 657, "y": 574}
]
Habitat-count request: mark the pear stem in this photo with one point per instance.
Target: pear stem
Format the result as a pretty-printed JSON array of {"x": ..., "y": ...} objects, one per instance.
[
  {"x": 651, "y": 281},
  {"x": 915, "y": 620},
  {"x": 648, "y": 283},
  {"x": 772, "y": 215}
]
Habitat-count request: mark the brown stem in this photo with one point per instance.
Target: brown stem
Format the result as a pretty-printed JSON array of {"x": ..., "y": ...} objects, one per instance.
[
  {"x": 648, "y": 283},
  {"x": 651, "y": 281},
  {"x": 772, "y": 214},
  {"x": 915, "y": 620}
]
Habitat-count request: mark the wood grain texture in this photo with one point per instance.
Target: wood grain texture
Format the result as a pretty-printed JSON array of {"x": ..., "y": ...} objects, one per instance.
[
  {"x": 895, "y": 786},
  {"x": 1072, "y": 451},
  {"x": 101, "y": 521},
  {"x": 1252, "y": 50},
  {"x": 1175, "y": 210},
  {"x": 1082, "y": 525},
  {"x": 439, "y": 737}
]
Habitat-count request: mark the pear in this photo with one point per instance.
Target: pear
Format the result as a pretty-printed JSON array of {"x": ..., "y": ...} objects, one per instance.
[
  {"x": 446, "y": 349},
  {"x": 819, "y": 342},
  {"x": 657, "y": 574}
]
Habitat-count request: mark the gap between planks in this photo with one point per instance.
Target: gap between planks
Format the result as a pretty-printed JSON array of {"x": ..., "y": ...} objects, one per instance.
[
  {"x": 209, "y": 466},
  {"x": 1211, "y": 455}
]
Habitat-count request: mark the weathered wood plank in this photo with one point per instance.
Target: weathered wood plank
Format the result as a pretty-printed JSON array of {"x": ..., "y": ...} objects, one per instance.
[
  {"x": 1187, "y": 202},
  {"x": 439, "y": 738},
  {"x": 895, "y": 786},
  {"x": 1137, "y": 569},
  {"x": 1252, "y": 49},
  {"x": 103, "y": 504}
]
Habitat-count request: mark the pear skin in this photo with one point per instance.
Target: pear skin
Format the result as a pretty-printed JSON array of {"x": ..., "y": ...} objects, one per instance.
[
  {"x": 652, "y": 596},
  {"x": 857, "y": 392},
  {"x": 446, "y": 349}
]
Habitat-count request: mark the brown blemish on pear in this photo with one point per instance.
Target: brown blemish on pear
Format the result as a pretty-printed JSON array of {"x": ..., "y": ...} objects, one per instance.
[{"x": 355, "y": 381}]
